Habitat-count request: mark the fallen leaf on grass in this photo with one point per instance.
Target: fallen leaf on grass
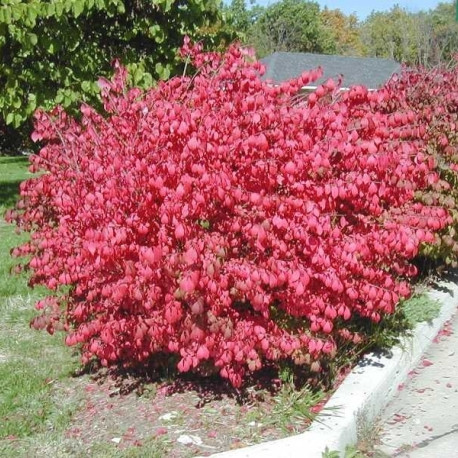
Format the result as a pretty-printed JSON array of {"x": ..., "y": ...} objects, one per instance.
[{"x": 160, "y": 431}]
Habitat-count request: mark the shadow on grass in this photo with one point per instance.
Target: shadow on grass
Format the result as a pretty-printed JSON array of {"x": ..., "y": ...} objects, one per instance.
[
  {"x": 9, "y": 193},
  {"x": 208, "y": 388},
  {"x": 17, "y": 159}
]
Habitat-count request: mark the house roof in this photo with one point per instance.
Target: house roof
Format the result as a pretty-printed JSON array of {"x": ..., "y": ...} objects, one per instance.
[{"x": 371, "y": 72}]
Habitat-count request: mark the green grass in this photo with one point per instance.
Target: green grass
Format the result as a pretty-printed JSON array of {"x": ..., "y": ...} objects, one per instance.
[
  {"x": 13, "y": 170},
  {"x": 32, "y": 363},
  {"x": 34, "y": 366}
]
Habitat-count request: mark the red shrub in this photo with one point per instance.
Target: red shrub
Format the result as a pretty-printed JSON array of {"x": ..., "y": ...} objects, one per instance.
[
  {"x": 432, "y": 94},
  {"x": 222, "y": 219}
]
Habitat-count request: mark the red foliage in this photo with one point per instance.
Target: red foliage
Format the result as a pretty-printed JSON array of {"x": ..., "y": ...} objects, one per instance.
[
  {"x": 223, "y": 219},
  {"x": 432, "y": 94}
]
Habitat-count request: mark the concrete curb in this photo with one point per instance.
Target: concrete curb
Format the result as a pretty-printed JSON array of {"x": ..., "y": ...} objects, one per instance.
[{"x": 362, "y": 396}]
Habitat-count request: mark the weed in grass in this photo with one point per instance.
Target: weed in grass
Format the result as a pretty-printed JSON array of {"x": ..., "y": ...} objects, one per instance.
[
  {"x": 368, "y": 437},
  {"x": 420, "y": 308},
  {"x": 292, "y": 409}
]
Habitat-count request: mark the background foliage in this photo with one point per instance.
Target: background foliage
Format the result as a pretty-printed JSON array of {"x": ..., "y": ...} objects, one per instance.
[
  {"x": 426, "y": 37},
  {"x": 52, "y": 51},
  {"x": 291, "y": 25}
]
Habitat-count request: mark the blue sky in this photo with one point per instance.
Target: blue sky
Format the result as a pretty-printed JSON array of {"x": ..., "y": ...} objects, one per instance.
[{"x": 364, "y": 7}]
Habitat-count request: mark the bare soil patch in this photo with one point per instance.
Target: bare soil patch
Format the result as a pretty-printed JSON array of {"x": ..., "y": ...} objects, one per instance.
[{"x": 187, "y": 417}]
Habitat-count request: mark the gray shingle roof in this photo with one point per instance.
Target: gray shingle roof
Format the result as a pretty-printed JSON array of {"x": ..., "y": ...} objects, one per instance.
[{"x": 372, "y": 72}]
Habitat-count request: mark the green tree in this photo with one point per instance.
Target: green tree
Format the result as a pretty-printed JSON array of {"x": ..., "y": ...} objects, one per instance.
[
  {"x": 392, "y": 34},
  {"x": 239, "y": 16},
  {"x": 52, "y": 51},
  {"x": 241, "y": 19},
  {"x": 345, "y": 31},
  {"x": 425, "y": 38},
  {"x": 291, "y": 25},
  {"x": 445, "y": 32}
]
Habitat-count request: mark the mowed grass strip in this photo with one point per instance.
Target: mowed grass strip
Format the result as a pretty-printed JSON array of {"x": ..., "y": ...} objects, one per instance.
[{"x": 32, "y": 363}]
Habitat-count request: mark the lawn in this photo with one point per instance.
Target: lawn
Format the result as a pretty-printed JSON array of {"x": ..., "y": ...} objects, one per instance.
[
  {"x": 30, "y": 362},
  {"x": 13, "y": 170}
]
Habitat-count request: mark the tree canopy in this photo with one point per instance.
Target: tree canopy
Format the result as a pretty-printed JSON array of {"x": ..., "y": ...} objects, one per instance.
[
  {"x": 53, "y": 51},
  {"x": 291, "y": 25}
]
